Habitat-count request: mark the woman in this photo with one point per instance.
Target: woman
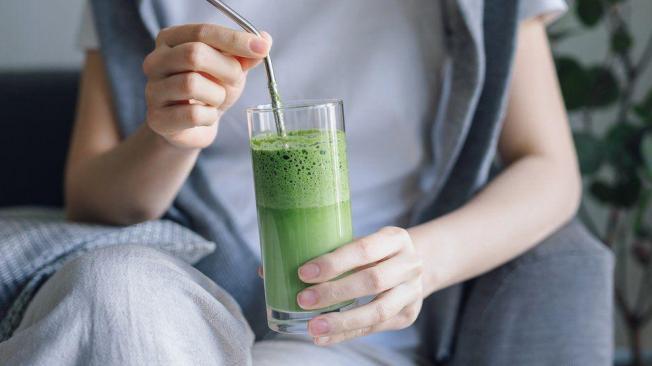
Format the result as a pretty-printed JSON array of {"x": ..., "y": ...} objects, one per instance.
[{"x": 424, "y": 84}]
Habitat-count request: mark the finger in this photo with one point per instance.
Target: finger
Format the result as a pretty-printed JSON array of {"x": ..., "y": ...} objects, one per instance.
[
  {"x": 383, "y": 308},
  {"x": 402, "y": 320},
  {"x": 267, "y": 36},
  {"x": 237, "y": 43},
  {"x": 169, "y": 120},
  {"x": 193, "y": 57},
  {"x": 373, "y": 248},
  {"x": 369, "y": 281},
  {"x": 250, "y": 63},
  {"x": 186, "y": 86},
  {"x": 261, "y": 274}
]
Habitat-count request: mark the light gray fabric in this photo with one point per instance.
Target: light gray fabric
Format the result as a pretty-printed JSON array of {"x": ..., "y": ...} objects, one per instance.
[
  {"x": 551, "y": 306},
  {"x": 135, "y": 305},
  {"x": 35, "y": 242},
  {"x": 129, "y": 305}
]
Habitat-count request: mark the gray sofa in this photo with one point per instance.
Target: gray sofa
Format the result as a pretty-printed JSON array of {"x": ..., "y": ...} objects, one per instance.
[{"x": 36, "y": 115}]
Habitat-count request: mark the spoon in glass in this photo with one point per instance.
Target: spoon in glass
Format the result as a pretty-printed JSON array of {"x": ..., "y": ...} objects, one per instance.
[{"x": 273, "y": 87}]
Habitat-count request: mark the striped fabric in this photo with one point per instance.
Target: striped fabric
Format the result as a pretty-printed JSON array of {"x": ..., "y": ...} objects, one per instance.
[{"x": 34, "y": 243}]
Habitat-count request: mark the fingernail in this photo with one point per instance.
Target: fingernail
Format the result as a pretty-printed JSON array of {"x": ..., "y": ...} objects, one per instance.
[
  {"x": 258, "y": 45},
  {"x": 309, "y": 271},
  {"x": 266, "y": 35},
  {"x": 322, "y": 340},
  {"x": 319, "y": 327},
  {"x": 307, "y": 298}
]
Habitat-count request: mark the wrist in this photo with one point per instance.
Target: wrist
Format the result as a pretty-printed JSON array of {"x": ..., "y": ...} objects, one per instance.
[
  {"x": 434, "y": 246},
  {"x": 163, "y": 143}
]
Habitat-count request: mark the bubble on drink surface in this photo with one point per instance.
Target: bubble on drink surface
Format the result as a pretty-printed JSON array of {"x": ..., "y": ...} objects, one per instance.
[{"x": 306, "y": 168}]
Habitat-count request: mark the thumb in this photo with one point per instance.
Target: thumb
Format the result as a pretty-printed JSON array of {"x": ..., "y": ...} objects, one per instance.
[{"x": 250, "y": 63}]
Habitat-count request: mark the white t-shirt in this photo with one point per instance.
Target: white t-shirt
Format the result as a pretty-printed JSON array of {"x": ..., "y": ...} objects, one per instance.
[{"x": 382, "y": 57}]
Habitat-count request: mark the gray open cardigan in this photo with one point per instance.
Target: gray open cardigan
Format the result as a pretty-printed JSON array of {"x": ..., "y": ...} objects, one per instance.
[{"x": 463, "y": 136}]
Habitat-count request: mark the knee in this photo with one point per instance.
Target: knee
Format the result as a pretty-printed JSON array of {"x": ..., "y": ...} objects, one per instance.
[
  {"x": 105, "y": 274},
  {"x": 117, "y": 294},
  {"x": 141, "y": 284},
  {"x": 142, "y": 281}
]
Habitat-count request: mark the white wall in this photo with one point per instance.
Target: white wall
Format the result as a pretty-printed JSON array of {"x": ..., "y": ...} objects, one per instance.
[{"x": 39, "y": 33}]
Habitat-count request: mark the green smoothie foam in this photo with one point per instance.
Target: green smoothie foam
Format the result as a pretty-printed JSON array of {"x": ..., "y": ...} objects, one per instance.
[
  {"x": 302, "y": 196},
  {"x": 304, "y": 169}
]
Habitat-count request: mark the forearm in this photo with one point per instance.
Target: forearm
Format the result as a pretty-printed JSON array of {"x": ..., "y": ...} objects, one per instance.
[
  {"x": 520, "y": 207},
  {"x": 135, "y": 181}
]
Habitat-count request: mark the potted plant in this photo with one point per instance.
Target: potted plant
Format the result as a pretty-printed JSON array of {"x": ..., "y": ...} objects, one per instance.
[{"x": 616, "y": 163}]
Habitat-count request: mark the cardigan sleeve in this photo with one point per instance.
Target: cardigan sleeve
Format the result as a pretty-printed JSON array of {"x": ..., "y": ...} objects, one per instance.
[{"x": 550, "y": 10}]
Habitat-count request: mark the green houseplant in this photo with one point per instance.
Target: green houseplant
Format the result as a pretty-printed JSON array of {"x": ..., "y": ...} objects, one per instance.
[{"x": 616, "y": 163}]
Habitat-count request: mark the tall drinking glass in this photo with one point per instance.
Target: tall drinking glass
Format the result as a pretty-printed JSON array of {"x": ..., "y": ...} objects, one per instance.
[{"x": 302, "y": 197}]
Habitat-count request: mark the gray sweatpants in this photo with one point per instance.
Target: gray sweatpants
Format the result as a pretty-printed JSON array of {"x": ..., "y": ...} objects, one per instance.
[{"x": 133, "y": 305}]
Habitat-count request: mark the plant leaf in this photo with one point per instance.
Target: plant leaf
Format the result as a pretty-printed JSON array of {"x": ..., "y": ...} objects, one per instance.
[
  {"x": 628, "y": 192},
  {"x": 589, "y": 12},
  {"x": 603, "y": 90},
  {"x": 644, "y": 109},
  {"x": 590, "y": 152},
  {"x": 622, "y": 194},
  {"x": 622, "y": 150},
  {"x": 621, "y": 41},
  {"x": 555, "y": 35},
  {"x": 602, "y": 192},
  {"x": 574, "y": 81},
  {"x": 646, "y": 152}
]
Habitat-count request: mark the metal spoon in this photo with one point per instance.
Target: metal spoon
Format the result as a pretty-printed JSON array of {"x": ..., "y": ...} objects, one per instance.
[{"x": 273, "y": 88}]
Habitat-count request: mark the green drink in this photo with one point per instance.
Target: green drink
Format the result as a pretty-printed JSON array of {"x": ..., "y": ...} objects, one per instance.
[{"x": 304, "y": 211}]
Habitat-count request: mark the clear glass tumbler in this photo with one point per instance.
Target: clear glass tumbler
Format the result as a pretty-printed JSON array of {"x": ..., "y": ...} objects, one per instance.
[{"x": 302, "y": 196}]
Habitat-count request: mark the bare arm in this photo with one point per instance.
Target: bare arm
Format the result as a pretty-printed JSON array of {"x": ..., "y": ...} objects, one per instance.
[
  {"x": 539, "y": 190},
  {"x": 190, "y": 85},
  {"x": 112, "y": 181}
]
